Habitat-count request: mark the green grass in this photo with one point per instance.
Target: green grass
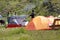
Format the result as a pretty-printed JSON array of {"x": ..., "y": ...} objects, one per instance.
[{"x": 22, "y": 34}]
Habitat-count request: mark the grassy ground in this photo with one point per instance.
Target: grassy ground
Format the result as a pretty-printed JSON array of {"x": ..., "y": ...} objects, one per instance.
[{"x": 21, "y": 34}]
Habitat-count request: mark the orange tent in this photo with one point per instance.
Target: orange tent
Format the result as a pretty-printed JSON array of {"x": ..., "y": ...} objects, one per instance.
[{"x": 38, "y": 23}]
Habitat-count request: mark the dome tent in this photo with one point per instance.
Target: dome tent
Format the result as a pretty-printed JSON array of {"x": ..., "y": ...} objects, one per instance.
[
  {"x": 38, "y": 23},
  {"x": 17, "y": 21}
]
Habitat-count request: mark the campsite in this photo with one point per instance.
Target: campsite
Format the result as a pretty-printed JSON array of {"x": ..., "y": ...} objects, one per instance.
[{"x": 29, "y": 19}]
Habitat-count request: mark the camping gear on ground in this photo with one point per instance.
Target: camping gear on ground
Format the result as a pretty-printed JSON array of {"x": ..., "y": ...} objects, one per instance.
[
  {"x": 15, "y": 21},
  {"x": 2, "y": 22},
  {"x": 43, "y": 23},
  {"x": 38, "y": 23},
  {"x": 56, "y": 23}
]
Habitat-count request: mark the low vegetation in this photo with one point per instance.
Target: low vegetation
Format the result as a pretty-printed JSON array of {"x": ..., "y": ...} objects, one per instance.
[{"x": 22, "y": 34}]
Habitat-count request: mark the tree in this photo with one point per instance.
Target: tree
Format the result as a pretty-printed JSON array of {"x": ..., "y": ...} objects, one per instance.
[{"x": 51, "y": 7}]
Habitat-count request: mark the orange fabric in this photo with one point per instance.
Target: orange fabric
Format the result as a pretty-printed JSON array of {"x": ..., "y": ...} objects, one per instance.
[
  {"x": 30, "y": 26},
  {"x": 38, "y": 23},
  {"x": 41, "y": 23}
]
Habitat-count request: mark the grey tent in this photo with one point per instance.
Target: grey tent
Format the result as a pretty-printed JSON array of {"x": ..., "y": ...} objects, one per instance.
[{"x": 18, "y": 20}]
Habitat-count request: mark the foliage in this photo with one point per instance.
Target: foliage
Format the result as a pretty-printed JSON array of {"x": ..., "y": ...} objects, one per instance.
[
  {"x": 42, "y": 7},
  {"x": 22, "y": 34}
]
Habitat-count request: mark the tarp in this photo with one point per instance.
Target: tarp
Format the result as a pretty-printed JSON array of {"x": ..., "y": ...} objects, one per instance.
[{"x": 38, "y": 23}]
